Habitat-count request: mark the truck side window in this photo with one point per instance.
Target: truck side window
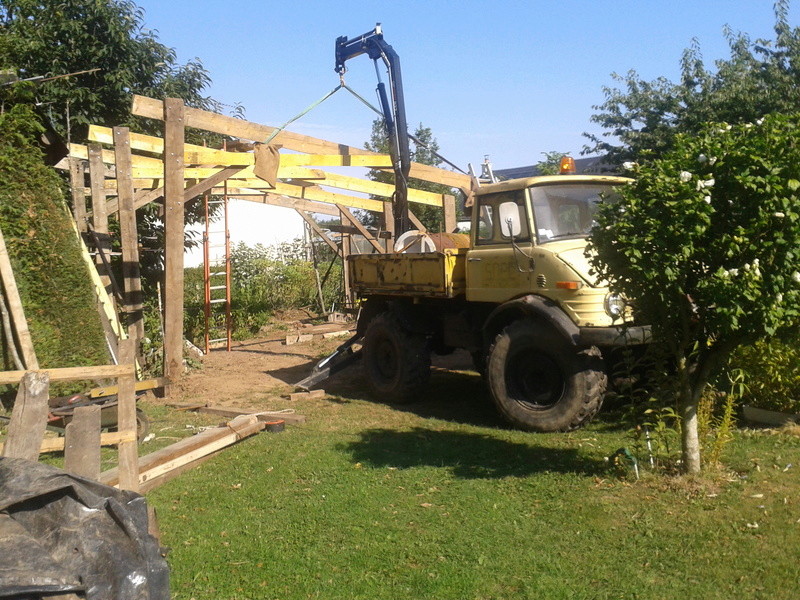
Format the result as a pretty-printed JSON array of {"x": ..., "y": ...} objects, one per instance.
[{"x": 489, "y": 229}]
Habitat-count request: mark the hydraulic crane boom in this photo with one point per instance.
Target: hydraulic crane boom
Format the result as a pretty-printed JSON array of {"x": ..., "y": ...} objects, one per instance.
[{"x": 394, "y": 113}]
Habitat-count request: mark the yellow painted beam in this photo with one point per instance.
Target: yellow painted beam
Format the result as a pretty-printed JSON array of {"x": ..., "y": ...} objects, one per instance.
[
  {"x": 337, "y": 160},
  {"x": 246, "y": 173}
]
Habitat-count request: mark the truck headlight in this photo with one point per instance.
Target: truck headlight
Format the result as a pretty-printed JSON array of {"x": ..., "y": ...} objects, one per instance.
[{"x": 614, "y": 305}]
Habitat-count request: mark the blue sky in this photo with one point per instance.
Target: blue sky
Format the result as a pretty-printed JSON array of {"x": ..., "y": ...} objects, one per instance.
[{"x": 509, "y": 79}]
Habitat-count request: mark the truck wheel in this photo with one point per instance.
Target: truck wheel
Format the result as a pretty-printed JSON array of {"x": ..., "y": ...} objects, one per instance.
[
  {"x": 540, "y": 382},
  {"x": 396, "y": 361}
]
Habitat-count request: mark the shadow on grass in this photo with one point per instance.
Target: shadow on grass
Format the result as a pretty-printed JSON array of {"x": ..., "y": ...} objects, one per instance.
[{"x": 467, "y": 455}]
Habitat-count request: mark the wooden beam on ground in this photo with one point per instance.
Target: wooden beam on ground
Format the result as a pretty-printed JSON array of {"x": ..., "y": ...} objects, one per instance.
[
  {"x": 19, "y": 322},
  {"x": 129, "y": 237},
  {"x": 141, "y": 386},
  {"x": 77, "y": 169},
  {"x": 82, "y": 442},
  {"x": 28, "y": 417},
  {"x": 126, "y": 420},
  {"x": 58, "y": 444},
  {"x": 235, "y": 411},
  {"x": 174, "y": 223},
  {"x": 348, "y": 216},
  {"x": 318, "y": 230},
  {"x": 188, "y": 451}
]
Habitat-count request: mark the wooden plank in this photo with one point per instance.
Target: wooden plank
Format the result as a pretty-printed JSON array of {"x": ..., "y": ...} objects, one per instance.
[
  {"x": 77, "y": 170},
  {"x": 366, "y": 161},
  {"x": 416, "y": 222},
  {"x": 99, "y": 211},
  {"x": 317, "y": 194},
  {"x": 126, "y": 420},
  {"x": 235, "y": 411},
  {"x": 20, "y": 324},
  {"x": 349, "y": 298},
  {"x": 151, "y": 108},
  {"x": 28, "y": 417},
  {"x": 209, "y": 182},
  {"x": 109, "y": 390},
  {"x": 82, "y": 442},
  {"x": 388, "y": 224},
  {"x": 129, "y": 236},
  {"x": 189, "y": 450},
  {"x": 56, "y": 444},
  {"x": 174, "y": 119},
  {"x": 286, "y": 202},
  {"x": 318, "y": 230},
  {"x": 450, "y": 218},
  {"x": 69, "y": 373},
  {"x": 376, "y": 188},
  {"x": 348, "y": 216}
]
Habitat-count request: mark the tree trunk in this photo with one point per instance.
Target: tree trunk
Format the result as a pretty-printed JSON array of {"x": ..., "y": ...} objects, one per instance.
[{"x": 689, "y": 439}]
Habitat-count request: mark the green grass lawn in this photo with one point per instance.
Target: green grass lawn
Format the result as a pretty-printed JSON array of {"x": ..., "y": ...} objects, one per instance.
[{"x": 439, "y": 500}]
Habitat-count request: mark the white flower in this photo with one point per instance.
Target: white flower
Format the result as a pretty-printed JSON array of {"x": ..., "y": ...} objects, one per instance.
[
  {"x": 685, "y": 176},
  {"x": 707, "y": 183},
  {"x": 748, "y": 125},
  {"x": 755, "y": 262},
  {"x": 778, "y": 214},
  {"x": 702, "y": 158},
  {"x": 733, "y": 272},
  {"x": 707, "y": 199},
  {"x": 796, "y": 277},
  {"x": 629, "y": 165},
  {"x": 746, "y": 266},
  {"x": 759, "y": 121},
  {"x": 728, "y": 127},
  {"x": 779, "y": 298},
  {"x": 712, "y": 160}
]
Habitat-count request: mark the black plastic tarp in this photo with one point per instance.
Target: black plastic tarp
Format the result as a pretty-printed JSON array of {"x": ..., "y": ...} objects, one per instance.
[{"x": 62, "y": 533}]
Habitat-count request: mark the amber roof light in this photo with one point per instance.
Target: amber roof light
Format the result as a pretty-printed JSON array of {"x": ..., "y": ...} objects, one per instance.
[{"x": 567, "y": 166}]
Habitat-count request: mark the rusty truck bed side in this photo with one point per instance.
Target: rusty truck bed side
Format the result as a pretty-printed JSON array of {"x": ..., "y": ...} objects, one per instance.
[{"x": 434, "y": 274}]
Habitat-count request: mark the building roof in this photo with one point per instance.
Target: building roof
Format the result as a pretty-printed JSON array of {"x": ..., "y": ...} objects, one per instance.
[{"x": 592, "y": 165}]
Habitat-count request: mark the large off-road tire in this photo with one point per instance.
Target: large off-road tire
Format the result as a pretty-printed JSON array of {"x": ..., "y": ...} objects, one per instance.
[
  {"x": 397, "y": 362},
  {"x": 540, "y": 382}
]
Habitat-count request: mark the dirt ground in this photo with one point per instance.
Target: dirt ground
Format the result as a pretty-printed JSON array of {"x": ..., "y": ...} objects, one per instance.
[{"x": 261, "y": 370}]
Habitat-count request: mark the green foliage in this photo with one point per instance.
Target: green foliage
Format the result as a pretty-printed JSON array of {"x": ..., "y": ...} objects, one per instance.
[
  {"x": 423, "y": 153},
  {"x": 550, "y": 164},
  {"x": 263, "y": 280},
  {"x": 705, "y": 243},
  {"x": 772, "y": 372},
  {"x": 54, "y": 38},
  {"x": 56, "y": 292},
  {"x": 759, "y": 78}
]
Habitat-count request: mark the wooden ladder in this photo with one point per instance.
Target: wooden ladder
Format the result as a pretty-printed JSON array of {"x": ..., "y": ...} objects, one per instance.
[{"x": 217, "y": 276}]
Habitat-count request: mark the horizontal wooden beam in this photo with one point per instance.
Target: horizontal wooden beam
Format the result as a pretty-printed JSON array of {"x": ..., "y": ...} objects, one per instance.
[
  {"x": 209, "y": 121},
  {"x": 71, "y": 373},
  {"x": 286, "y": 202}
]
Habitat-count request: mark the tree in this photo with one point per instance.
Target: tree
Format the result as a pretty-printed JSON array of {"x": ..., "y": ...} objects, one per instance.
[
  {"x": 706, "y": 244},
  {"x": 759, "y": 78},
  {"x": 424, "y": 151},
  {"x": 107, "y": 38}
]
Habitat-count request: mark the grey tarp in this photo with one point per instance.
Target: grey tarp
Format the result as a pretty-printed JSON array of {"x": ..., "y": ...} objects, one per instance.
[{"x": 62, "y": 533}]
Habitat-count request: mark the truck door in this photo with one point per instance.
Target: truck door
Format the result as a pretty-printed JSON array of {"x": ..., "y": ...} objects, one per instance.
[{"x": 496, "y": 272}]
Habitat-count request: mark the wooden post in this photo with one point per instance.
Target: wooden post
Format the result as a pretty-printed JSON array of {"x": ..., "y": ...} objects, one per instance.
[
  {"x": 449, "y": 207},
  {"x": 20, "y": 324},
  {"x": 128, "y": 235},
  {"x": 82, "y": 442},
  {"x": 174, "y": 225},
  {"x": 77, "y": 170},
  {"x": 126, "y": 419},
  {"x": 388, "y": 224},
  {"x": 99, "y": 209},
  {"x": 348, "y": 294},
  {"x": 29, "y": 417}
]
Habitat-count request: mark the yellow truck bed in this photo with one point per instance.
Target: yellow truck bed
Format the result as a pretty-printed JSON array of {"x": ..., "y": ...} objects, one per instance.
[{"x": 435, "y": 274}]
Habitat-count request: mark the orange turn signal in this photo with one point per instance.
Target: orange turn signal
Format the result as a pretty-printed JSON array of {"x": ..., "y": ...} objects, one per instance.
[
  {"x": 568, "y": 285},
  {"x": 567, "y": 166}
]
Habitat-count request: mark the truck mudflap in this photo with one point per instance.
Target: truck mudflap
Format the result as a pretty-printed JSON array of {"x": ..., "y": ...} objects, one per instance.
[
  {"x": 615, "y": 336},
  {"x": 342, "y": 357}
]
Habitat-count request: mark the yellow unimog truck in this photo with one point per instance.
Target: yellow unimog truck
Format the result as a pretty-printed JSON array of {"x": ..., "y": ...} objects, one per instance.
[{"x": 521, "y": 298}]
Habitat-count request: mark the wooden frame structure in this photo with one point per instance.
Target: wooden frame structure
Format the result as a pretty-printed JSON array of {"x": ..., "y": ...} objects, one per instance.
[{"x": 292, "y": 172}]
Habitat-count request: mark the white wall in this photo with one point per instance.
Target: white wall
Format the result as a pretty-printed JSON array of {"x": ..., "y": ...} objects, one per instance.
[{"x": 253, "y": 223}]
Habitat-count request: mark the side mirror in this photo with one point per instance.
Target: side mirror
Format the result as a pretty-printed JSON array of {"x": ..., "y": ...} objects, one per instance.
[{"x": 509, "y": 219}]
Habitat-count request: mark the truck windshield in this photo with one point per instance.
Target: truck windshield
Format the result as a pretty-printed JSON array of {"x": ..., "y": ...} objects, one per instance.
[{"x": 564, "y": 211}]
